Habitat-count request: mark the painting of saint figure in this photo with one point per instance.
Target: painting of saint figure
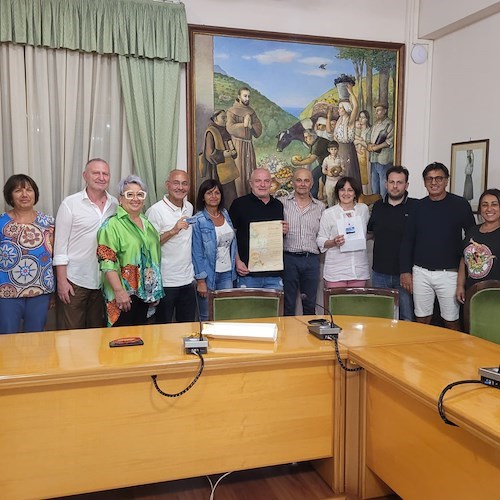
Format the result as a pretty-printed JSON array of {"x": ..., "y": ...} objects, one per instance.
[{"x": 286, "y": 97}]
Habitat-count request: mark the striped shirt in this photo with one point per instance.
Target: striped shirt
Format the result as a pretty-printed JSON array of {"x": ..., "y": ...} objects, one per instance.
[{"x": 303, "y": 225}]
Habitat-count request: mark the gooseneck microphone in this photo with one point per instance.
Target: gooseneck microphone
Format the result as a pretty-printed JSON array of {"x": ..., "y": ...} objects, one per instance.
[
  {"x": 321, "y": 328},
  {"x": 194, "y": 344}
]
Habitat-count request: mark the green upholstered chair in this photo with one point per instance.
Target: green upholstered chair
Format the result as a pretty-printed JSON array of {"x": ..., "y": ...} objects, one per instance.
[
  {"x": 375, "y": 302},
  {"x": 482, "y": 310},
  {"x": 244, "y": 303}
]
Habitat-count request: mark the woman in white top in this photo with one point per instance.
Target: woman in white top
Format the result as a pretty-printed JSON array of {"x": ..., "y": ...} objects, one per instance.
[
  {"x": 338, "y": 227},
  {"x": 214, "y": 244}
]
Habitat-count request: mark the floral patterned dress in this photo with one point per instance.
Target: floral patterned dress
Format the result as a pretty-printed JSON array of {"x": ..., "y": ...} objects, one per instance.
[{"x": 26, "y": 257}]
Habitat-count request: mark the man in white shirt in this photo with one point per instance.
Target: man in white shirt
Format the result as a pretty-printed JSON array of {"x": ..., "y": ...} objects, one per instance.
[
  {"x": 169, "y": 216},
  {"x": 81, "y": 304}
]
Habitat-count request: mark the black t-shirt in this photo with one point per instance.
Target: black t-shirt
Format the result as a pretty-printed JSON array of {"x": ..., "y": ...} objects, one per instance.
[
  {"x": 247, "y": 209},
  {"x": 434, "y": 231},
  {"x": 387, "y": 223},
  {"x": 481, "y": 254}
]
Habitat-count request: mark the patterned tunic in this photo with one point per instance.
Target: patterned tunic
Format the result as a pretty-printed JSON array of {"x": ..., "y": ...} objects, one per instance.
[
  {"x": 26, "y": 257},
  {"x": 134, "y": 254}
]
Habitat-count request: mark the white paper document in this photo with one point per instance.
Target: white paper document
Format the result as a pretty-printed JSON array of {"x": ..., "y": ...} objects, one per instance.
[
  {"x": 267, "y": 332},
  {"x": 351, "y": 227}
]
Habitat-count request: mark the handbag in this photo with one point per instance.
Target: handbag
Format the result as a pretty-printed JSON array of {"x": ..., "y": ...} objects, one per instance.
[{"x": 227, "y": 171}]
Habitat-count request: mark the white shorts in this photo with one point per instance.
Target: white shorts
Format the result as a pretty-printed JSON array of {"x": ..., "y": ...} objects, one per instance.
[{"x": 430, "y": 284}]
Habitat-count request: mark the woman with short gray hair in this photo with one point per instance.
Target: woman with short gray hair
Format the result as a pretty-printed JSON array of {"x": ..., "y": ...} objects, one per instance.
[{"x": 129, "y": 257}]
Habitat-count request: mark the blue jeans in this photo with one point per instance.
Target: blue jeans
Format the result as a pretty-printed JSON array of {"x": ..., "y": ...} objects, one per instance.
[
  {"x": 301, "y": 276},
  {"x": 33, "y": 310},
  {"x": 380, "y": 280},
  {"x": 222, "y": 282},
  {"x": 378, "y": 178},
  {"x": 260, "y": 282}
]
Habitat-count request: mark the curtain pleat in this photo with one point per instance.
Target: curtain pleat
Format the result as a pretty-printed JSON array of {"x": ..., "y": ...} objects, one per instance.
[
  {"x": 150, "y": 90},
  {"x": 139, "y": 28},
  {"x": 58, "y": 108}
]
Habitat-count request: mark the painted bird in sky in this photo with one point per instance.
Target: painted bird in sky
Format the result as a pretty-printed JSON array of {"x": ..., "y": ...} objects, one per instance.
[{"x": 322, "y": 66}]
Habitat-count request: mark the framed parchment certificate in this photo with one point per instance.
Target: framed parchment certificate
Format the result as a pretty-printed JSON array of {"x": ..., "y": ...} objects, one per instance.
[{"x": 266, "y": 246}]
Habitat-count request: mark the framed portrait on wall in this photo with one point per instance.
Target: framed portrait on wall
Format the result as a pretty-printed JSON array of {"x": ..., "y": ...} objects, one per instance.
[
  {"x": 469, "y": 170},
  {"x": 252, "y": 95}
]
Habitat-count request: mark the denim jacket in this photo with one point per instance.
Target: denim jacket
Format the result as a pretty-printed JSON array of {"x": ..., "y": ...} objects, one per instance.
[{"x": 204, "y": 249}]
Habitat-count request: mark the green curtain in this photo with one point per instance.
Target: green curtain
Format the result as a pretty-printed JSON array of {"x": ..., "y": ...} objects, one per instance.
[
  {"x": 140, "y": 28},
  {"x": 150, "y": 39},
  {"x": 150, "y": 91}
]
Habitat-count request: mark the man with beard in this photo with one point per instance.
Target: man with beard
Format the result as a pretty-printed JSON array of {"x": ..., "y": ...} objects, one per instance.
[
  {"x": 387, "y": 223},
  {"x": 243, "y": 124}
]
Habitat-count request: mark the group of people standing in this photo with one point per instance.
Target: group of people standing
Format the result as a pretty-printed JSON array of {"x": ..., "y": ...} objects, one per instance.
[
  {"x": 112, "y": 261},
  {"x": 106, "y": 254},
  {"x": 419, "y": 245}
]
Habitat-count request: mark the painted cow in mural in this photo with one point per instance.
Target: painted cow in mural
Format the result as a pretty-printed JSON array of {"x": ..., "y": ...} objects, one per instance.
[
  {"x": 293, "y": 133},
  {"x": 296, "y": 131}
]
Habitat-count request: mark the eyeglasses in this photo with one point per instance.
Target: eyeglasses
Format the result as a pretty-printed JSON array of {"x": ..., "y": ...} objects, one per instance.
[
  {"x": 130, "y": 195},
  {"x": 439, "y": 179}
]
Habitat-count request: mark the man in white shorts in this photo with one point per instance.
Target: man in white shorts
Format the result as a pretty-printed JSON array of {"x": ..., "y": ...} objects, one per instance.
[{"x": 432, "y": 246}]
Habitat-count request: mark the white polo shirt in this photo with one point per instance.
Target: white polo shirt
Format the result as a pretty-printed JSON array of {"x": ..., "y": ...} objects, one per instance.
[
  {"x": 176, "y": 262},
  {"x": 77, "y": 222}
]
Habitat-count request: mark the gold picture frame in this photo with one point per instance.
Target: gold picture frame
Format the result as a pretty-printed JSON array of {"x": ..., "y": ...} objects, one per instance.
[{"x": 287, "y": 75}]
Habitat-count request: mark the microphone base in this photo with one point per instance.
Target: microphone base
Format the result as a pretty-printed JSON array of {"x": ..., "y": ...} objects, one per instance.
[
  {"x": 194, "y": 343},
  {"x": 325, "y": 332},
  {"x": 490, "y": 376}
]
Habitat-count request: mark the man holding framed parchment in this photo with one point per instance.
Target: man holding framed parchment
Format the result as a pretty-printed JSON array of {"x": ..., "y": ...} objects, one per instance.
[{"x": 258, "y": 219}]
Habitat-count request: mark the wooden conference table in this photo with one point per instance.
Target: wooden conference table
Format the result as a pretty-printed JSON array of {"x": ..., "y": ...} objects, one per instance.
[
  {"x": 396, "y": 435},
  {"x": 77, "y": 416}
]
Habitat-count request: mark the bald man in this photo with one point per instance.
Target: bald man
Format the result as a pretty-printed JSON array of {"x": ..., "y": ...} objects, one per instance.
[
  {"x": 169, "y": 216},
  {"x": 301, "y": 253},
  {"x": 80, "y": 300},
  {"x": 257, "y": 206}
]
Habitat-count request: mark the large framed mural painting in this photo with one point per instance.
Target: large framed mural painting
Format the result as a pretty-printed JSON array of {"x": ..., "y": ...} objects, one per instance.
[{"x": 282, "y": 101}]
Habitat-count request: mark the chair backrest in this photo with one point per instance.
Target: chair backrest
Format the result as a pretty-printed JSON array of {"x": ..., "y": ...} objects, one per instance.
[
  {"x": 375, "y": 302},
  {"x": 245, "y": 303},
  {"x": 482, "y": 310}
]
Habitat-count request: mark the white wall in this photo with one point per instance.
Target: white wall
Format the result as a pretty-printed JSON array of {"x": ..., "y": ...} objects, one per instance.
[
  {"x": 361, "y": 19},
  {"x": 442, "y": 17},
  {"x": 384, "y": 20},
  {"x": 465, "y": 101}
]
